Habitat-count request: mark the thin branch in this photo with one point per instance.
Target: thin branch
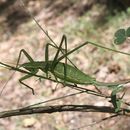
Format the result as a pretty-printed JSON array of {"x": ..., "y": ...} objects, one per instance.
[{"x": 60, "y": 108}]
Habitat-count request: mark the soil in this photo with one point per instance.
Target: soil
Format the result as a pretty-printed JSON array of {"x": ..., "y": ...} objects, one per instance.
[{"x": 18, "y": 31}]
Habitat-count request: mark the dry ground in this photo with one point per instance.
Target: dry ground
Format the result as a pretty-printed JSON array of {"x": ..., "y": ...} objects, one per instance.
[{"x": 18, "y": 31}]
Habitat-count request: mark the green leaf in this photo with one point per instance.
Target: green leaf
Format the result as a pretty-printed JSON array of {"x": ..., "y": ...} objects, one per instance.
[
  {"x": 128, "y": 32},
  {"x": 119, "y": 36}
]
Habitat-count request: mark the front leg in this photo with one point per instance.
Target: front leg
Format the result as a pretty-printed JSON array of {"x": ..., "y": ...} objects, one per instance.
[
  {"x": 26, "y": 54},
  {"x": 24, "y": 78}
]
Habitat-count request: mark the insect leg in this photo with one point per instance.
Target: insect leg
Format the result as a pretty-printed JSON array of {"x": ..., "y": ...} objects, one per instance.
[
  {"x": 46, "y": 57},
  {"x": 32, "y": 71},
  {"x": 26, "y": 54},
  {"x": 63, "y": 40},
  {"x": 58, "y": 51},
  {"x": 94, "y": 44},
  {"x": 56, "y": 56},
  {"x": 20, "y": 53},
  {"x": 68, "y": 53},
  {"x": 65, "y": 67},
  {"x": 24, "y": 78}
]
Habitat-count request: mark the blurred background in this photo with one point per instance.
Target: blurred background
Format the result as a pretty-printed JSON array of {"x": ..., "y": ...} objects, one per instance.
[{"x": 96, "y": 21}]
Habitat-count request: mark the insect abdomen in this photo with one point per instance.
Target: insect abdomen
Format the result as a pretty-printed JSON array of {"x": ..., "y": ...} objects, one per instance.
[{"x": 73, "y": 74}]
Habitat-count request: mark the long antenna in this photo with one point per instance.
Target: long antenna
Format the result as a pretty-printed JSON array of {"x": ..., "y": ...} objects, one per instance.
[
  {"x": 28, "y": 12},
  {"x": 46, "y": 32}
]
